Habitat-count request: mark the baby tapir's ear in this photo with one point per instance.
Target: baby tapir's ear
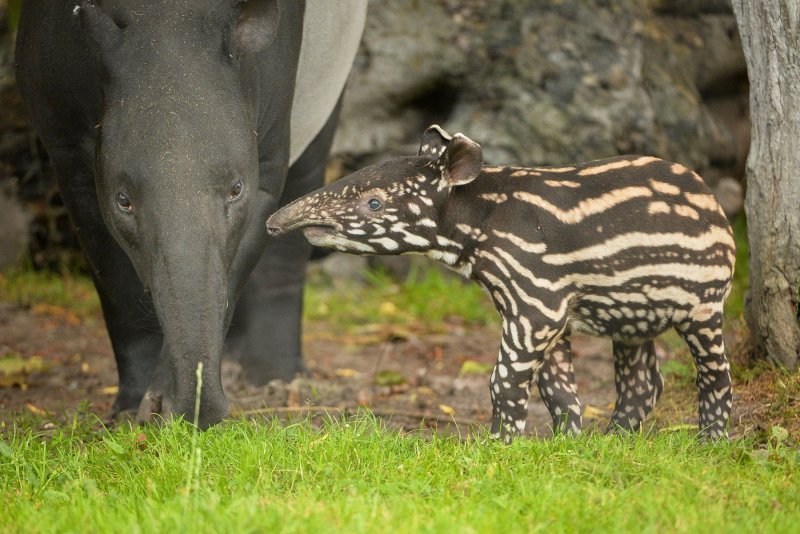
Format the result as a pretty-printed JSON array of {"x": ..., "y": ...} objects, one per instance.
[
  {"x": 434, "y": 141},
  {"x": 461, "y": 162}
]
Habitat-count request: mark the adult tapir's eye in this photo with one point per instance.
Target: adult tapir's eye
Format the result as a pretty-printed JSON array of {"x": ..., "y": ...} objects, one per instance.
[
  {"x": 374, "y": 204},
  {"x": 236, "y": 190},
  {"x": 124, "y": 203}
]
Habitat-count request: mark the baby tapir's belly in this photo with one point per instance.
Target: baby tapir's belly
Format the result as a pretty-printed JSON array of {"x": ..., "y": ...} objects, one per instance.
[{"x": 648, "y": 300}]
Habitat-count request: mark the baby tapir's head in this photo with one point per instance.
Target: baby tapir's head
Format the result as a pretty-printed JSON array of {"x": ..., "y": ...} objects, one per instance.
[{"x": 390, "y": 208}]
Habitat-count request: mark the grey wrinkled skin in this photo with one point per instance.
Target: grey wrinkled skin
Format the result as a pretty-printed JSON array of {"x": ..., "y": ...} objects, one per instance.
[{"x": 168, "y": 125}]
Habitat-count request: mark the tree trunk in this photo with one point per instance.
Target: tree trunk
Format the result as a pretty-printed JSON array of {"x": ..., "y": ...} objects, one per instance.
[{"x": 770, "y": 33}]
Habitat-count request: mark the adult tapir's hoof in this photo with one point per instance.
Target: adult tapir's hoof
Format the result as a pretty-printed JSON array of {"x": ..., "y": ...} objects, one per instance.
[{"x": 158, "y": 408}]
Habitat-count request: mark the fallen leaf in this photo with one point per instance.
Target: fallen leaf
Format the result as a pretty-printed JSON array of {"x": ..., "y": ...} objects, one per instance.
[
  {"x": 389, "y": 378},
  {"x": 472, "y": 367},
  {"x": 35, "y": 409},
  {"x": 109, "y": 390},
  {"x": 346, "y": 373},
  {"x": 85, "y": 367},
  {"x": 592, "y": 412},
  {"x": 387, "y": 308},
  {"x": 449, "y": 410},
  {"x": 14, "y": 369}
]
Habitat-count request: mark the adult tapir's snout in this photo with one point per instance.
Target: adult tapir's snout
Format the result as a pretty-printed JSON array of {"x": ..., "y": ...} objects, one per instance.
[{"x": 191, "y": 296}]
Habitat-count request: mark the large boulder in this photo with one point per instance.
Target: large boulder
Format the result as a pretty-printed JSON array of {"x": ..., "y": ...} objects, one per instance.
[{"x": 542, "y": 82}]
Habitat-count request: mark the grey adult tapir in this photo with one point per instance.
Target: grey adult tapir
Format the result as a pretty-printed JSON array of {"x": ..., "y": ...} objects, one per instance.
[{"x": 175, "y": 128}]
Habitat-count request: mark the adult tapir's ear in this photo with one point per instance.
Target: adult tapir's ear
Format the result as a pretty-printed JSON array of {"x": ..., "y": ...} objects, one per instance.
[
  {"x": 257, "y": 25},
  {"x": 100, "y": 27},
  {"x": 434, "y": 141},
  {"x": 461, "y": 161}
]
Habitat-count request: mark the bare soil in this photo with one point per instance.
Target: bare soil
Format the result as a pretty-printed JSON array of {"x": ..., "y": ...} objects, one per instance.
[{"x": 345, "y": 374}]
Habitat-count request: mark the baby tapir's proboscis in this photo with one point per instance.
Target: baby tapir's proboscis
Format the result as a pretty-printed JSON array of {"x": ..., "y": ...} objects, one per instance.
[{"x": 625, "y": 248}]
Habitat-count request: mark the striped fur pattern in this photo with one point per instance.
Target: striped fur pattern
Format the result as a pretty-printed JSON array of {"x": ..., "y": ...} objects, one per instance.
[{"x": 625, "y": 248}]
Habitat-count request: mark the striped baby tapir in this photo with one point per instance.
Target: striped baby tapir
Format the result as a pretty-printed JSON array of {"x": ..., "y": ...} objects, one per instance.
[{"x": 625, "y": 248}]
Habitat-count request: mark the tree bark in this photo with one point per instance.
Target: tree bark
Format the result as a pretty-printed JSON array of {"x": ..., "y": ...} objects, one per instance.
[{"x": 770, "y": 32}]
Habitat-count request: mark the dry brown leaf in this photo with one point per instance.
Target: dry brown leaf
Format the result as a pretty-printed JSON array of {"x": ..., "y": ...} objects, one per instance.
[
  {"x": 449, "y": 410},
  {"x": 346, "y": 373}
]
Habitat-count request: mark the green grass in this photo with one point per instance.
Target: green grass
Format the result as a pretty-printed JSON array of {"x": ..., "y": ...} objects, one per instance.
[
  {"x": 68, "y": 291},
  {"x": 426, "y": 298},
  {"x": 356, "y": 476}
]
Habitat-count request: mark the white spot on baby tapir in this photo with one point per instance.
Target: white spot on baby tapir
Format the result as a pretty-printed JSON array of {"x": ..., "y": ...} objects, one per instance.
[
  {"x": 414, "y": 239},
  {"x": 378, "y": 229},
  {"x": 658, "y": 207},
  {"x": 413, "y": 208},
  {"x": 446, "y": 242},
  {"x": 385, "y": 242},
  {"x": 427, "y": 222},
  {"x": 493, "y": 170},
  {"x": 677, "y": 168},
  {"x": 425, "y": 200},
  {"x": 447, "y": 258},
  {"x": 356, "y": 231},
  {"x": 497, "y": 198},
  {"x": 663, "y": 187},
  {"x": 702, "y": 201},
  {"x": 686, "y": 211}
]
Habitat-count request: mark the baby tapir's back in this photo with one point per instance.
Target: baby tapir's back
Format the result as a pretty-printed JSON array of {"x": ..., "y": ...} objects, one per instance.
[{"x": 630, "y": 245}]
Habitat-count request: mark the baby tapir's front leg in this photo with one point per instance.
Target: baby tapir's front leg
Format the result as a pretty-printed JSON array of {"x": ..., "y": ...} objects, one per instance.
[{"x": 522, "y": 353}]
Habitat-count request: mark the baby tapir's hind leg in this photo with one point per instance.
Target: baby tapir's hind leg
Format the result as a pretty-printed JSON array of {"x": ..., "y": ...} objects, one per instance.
[
  {"x": 713, "y": 374},
  {"x": 556, "y": 382},
  {"x": 639, "y": 384}
]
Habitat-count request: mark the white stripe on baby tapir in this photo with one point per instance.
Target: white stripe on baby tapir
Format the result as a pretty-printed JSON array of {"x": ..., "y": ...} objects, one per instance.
[
  {"x": 554, "y": 169},
  {"x": 586, "y": 207},
  {"x": 448, "y": 258},
  {"x": 686, "y": 211},
  {"x": 355, "y": 231},
  {"x": 658, "y": 207},
  {"x": 664, "y": 187},
  {"x": 347, "y": 244},
  {"x": 599, "y": 169},
  {"x": 498, "y": 198},
  {"x": 447, "y": 242},
  {"x": 535, "y": 248},
  {"x": 499, "y": 284},
  {"x": 698, "y": 273},
  {"x": 562, "y": 183},
  {"x": 715, "y": 235}
]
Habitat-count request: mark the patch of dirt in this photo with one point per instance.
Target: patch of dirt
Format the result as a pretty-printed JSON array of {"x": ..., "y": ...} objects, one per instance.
[{"x": 420, "y": 376}]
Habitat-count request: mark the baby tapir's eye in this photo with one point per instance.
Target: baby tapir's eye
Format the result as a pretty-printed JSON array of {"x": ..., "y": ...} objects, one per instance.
[
  {"x": 236, "y": 190},
  {"x": 374, "y": 204},
  {"x": 124, "y": 203}
]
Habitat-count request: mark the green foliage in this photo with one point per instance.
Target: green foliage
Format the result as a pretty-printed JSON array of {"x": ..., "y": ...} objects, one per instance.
[
  {"x": 734, "y": 306},
  {"x": 65, "y": 291},
  {"x": 13, "y": 8},
  {"x": 356, "y": 476},
  {"x": 426, "y": 299}
]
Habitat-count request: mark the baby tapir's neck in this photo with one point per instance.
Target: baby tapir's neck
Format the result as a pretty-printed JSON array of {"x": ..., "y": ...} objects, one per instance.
[{"x": 465, "y": 221}]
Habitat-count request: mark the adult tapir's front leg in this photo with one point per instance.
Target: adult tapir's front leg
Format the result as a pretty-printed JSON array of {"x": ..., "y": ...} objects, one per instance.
[
  {"x": 267, "y": 325},
  {"x": 522, "y": 352}
]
